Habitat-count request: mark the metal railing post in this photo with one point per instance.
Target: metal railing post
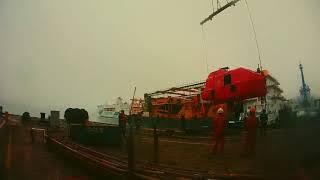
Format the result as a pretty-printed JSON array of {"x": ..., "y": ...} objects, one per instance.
[
  {"x": 155, "y": 143},
  {"x": 131, "y": 149}
]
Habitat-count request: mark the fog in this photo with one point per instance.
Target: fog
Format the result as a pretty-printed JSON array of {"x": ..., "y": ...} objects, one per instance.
[{"x": 78, "y": 53}]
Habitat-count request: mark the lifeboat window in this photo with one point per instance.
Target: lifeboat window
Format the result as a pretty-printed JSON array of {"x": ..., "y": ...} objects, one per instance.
[{"x": 227, "y": 79}]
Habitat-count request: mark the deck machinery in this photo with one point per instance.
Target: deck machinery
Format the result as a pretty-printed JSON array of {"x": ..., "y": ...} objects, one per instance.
[
  {"x": 178, "y": 107},
  {"x": 176, "y": 102},
  {"x": 198, "y": 102}
]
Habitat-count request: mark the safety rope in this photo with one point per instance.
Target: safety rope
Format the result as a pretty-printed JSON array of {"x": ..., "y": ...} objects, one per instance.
[{"x": 255, "y": 34}]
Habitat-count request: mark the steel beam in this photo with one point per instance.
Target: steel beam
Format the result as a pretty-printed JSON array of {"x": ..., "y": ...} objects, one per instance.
[{"x": 219, "y": 10}]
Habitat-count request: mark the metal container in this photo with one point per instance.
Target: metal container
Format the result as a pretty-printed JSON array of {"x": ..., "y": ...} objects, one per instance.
[
  {"x": 55, "y": 119},
  {"x": 96, "y": 134}
]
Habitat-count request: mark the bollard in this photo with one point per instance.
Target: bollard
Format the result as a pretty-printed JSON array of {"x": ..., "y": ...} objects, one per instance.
[{"x": 130, "y": 150}]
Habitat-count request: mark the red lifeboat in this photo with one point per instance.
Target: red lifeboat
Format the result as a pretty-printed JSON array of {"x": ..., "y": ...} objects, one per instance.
[{"x": 234, "y": 85}]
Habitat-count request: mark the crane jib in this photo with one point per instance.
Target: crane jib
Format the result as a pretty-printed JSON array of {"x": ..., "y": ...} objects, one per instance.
[{"x": 219, "y": 11}]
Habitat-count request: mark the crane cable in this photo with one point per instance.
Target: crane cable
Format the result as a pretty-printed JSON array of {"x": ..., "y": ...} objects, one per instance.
[
  {"x": 205, "y": 49},
  {"x": 263, "y": 99},
  {"x": 212, "y": 5},
  {"x": 255, "y": 34}
]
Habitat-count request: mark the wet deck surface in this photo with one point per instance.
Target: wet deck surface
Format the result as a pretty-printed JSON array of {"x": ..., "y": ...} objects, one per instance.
[
  {"x": 29, "y": 160},
  {"x": 283, "y": 154}
]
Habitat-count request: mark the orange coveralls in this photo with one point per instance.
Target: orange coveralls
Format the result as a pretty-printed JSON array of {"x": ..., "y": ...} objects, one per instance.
[
  {"x": 250, "y": 140},
  {"x": 219, "y": 123}
]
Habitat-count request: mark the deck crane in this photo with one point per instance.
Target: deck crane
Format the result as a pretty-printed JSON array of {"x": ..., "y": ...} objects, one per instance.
[
  {"x": 238, "y": 84},
  {"x": 215, "y": 91},
  {"x": 222, "y": 87}
]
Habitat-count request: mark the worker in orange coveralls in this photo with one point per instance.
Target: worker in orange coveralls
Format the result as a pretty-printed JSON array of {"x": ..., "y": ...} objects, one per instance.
[
  {"x": 251, "y": 126},
  {"x": 219, "y": 123}
]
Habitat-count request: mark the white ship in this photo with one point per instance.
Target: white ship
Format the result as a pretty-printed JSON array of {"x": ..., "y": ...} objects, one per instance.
[{"x": 113, "y": 110}]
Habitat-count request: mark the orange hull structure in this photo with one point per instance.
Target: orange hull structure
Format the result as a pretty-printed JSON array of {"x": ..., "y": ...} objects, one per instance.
[
  {"x": 223, "y": 88},
  {"x": 234, "y": 85},
  {"x": 177, "y": 108},
  {"x": 171, "y": 107}
]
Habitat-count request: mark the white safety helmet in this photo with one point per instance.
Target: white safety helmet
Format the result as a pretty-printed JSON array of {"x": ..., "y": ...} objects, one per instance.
[{"x": 220, "y": 111}]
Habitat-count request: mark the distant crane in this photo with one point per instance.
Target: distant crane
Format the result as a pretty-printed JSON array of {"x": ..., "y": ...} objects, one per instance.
[{"x": 304, "y": 90}]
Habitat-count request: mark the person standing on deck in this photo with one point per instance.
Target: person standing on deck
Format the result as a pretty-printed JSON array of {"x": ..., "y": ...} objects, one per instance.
[
  {"x": 123, "y": 123},
  {"x": 263, "y": 122},
  {"x": 251, "y": 127},
  {"x": 6, "y": 116},
  {"x": 219, "y": 123}
]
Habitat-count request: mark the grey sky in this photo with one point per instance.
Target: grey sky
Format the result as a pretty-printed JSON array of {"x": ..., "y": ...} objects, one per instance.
[{"x": 58, "y": 53}]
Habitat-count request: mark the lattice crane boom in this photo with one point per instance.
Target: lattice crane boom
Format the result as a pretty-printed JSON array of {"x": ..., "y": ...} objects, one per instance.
[{"x": 219, "y": 10}]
